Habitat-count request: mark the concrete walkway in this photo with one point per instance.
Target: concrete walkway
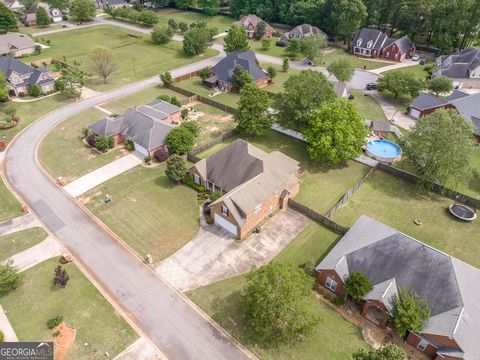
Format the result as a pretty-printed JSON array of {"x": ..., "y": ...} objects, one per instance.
[
  {"x": 141, "y": 349},
  {"x": 30, "y": 257},
  {"x": 395, "y": 66},
  {"x": 19, "y": 100},
  {"x": 17, "y": 224},
  {"x": 395, "y": 116},
  {"x": 6, "y": 327},
  {"x": 214, "y": 255},
  {"x": 105, "y": 173}
]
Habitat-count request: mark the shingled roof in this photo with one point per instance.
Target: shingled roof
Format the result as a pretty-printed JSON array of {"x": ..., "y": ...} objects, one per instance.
[
  {"x": 459, "y": 64},
  {"x": 9, "y": 65},
  {"x": 450, "y": 287},
  {"x": 301, "y": 32},
  {"x": 14, "y": 41},
  {"x": 223, "y": 70}
]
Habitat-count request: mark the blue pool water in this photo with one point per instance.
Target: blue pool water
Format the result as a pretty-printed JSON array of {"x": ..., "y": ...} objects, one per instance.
[{"x": 384, "y": 149}]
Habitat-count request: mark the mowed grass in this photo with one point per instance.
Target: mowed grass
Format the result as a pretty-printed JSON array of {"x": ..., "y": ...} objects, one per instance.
[
  {"x": 368, "y": 106},
  {"x": 64, "y": 154},
  {"x": 147, "y": 211},
  {"x": 276, "y": 86},
  {"x": 9, "y": 205},
  {"x": 195, "y": 85},
  {"x": 21, "y": 240},
  {"x": 220, "y": 22},
  {"x": 273, "y": 50},
  {"x": 82, "y": 306},
  {"x": 322, "y": 186},
  {"x": 137, "y": 57},
  {"x": 355, "y": 61},
  {"x": 333, "y": 338},
  {"x": 30, "y": 30},
  {"x": 398, "y": 203},
  {"x": 417, "y": 69}
]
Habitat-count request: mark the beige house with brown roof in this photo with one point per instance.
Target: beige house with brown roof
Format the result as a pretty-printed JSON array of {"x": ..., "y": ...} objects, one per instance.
[
  {"x": 16, "y": 44},
  {"x": 254, "y": 183},
  {"x": 250, "y": 22}
]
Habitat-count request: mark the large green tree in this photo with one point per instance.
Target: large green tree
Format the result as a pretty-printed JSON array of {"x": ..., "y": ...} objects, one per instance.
[
  {"x": 176, "y": 168},
  {"x": 411, "y": 311},
  {"x": 3, "y": 88},
  {"x": 43, "y": 19},
  {"x": 180, "y": 140},
  {"x": 358, "y": 285},
  {"x": 312, "y": 47},
  {"x": 209, "y": 7},
  {"x": 71, "y": 82},
  {"x": 8, "y": 21},
  {"x": 82, "y": 10},
  {"x": 440, "y": 85},
  {"x": 276, "y": 304},
  {"x": 387, "y": 352},
  {"x": 28, "y": 4},
  {"x": 343, "y": 17},
  {"x": 400, "y": 83},
  {"x": 58, "y": 4},
  {"x": 441, "y": 147},
  {"x": 236, "y": 40},
  {"x": 184, "y": 4},
  {"x": 240, "y": 77},
  {"x": 252, "y": 117},
  {"x": 335, "y": 132},
  {"x": 342, "y": 69},
  {"x": 10, "y": 277},
  {"x": 197, "y": 39},
  {"x": 303, "y": 93}
]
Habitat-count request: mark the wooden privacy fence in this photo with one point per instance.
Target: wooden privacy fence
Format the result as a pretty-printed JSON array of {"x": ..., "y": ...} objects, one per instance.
[
  {"x": 315, "y": 216},
  {"x": 348, "y": 194},
  {"x": 203, "y": 99},
  {"x": 192, "y": 155}
]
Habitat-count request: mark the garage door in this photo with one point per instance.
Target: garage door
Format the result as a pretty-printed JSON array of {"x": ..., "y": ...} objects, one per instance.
[
  {"x": 141, "y": 149},
  {"x": 414, "y": 113},
  {"x": 227, "y": 225}
]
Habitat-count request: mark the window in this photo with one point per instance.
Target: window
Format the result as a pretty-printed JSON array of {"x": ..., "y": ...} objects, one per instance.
[
  {"x": 224, "y": 210},
  {"x": 196, "y": 179},
  {"x": 331, "y": 284},
  {"x": 258, "y": 208},
  {"x": 369, "y": 44},
  {"x": 359, "y": 42},
  {"x": 422, "y": 345}
]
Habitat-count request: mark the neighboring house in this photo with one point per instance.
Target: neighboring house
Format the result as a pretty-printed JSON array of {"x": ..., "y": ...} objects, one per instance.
[
  {"x": 145, "y": 126},
  {"x": 392, "y": 260},
  {"x": 56, "y": 15},
  {"x": 114, "y": 4},
  {"x": 30, "y": 17},
  {"x": 300, "y": 32},
  {"x": 375, "y": 44},
  {"x": 468, "y": 105},
  {"x": 254, "y": 185},
  {"x": 16, "y": 44},
  {"x": 222, "y": 72},
  {"x": 14, "y": 5},
  {"x": 250, "y": 23},
  {"x": 21, "y": 77},
  {"x": 463, "y": 67}
]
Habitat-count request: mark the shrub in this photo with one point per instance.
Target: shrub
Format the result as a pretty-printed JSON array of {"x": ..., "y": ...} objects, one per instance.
[
  {"x": 91, "y": 140},
  {"x": 210, "y": 220},
  {"x": 180, "y": 140},
  {"x": 85, "y": 132},
  {"x": 147, "y": 159},
  {"x": 192, "y": 126},
  {"x": 214, "y": 196},
  {"x": 309, "y": 268},
  {"x": 205, "y": 73},
  {"x": 190, "y": 183},
  {"x": 64, "y": 17},
  {"x": 35, "y": 90},
  {"x": 60, "y": 276},
  {"x": 266, "y": 43},
  {"x": 161, "y": 34},
  {"x": 171, "y": 99},
  {"x": 38, "y": 49},
  {"x": 173, "y": 24},
  {"x": 338, "y": 301},
  {"x": 129, "y": 145},
  {"x": 101, "y": 143},
  {"x": 184, "y": 114},
  {"x": 358, "y": 285},
  {"x": 111, "y": 142},
  {"x": 56, "y": 333},
  {"x": 176, "y": 168},
  {"x": 166, "y": 78},
  {"x": 160, "y": 155},
  {"x": 53, "y": 322},
  {"x": 183, "y": 27},
  {"x": 2, "y": 336}
]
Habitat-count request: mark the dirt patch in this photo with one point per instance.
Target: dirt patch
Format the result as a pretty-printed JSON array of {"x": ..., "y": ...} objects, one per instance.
[{"x": 63, "y": 341}]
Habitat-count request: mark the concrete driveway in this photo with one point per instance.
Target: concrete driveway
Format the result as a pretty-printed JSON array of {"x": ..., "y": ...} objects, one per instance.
[{"x": 214, "y": 255}]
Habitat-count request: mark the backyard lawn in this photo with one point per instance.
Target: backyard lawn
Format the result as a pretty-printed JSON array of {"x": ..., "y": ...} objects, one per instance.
[
  {"x": 368, "y": 106},
  {"x": 195, "y": 85},
  {"x": 333, "y": 338},
  {"x": 322, "y": 186},
  {"x": 277, "y": 85},
  {"x": 355, "y": 61},
  {"x": 21, "y": 240},
  {"x": 147, "y": 211},
  {"x": 36, "y": 301},
  {"x": 9, "y": 206},
  {"x": 398, "y": 203},
  {"x": 220, "y": 22},
  {"x": 213, "y": 122},
  {"x": 137, "y": 57}
]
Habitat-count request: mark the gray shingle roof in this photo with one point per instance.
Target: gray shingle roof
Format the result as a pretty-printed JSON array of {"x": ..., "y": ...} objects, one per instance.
[
  {"x": 247, "y": 59},
  {"x": 9, "y": 64},
  {"x": 426, "y": 101},
  {"x": 365, "y": 35},
  {"x": 301, "y": 32},
  {"x": 458, "y": 64},
  {"x": 451, "y": 287},
  {"x": 404, "y": 44}
]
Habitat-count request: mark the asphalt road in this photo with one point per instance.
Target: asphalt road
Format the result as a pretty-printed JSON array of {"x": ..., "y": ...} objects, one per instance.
[{"x": 163, "y": 315}]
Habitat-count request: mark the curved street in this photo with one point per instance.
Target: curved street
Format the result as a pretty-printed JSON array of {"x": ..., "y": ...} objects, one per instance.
[{"x": 166, "y": 317}]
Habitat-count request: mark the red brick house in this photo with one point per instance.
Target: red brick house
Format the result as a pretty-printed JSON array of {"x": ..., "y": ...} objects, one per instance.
[
  {"x": 222, "y": 72},
  {"x": 146, "y": 126},
  {"x": 393, "y": 260},
  {"x": 375, "y": 44},
  {"x": 250, "y": 23},
  {"x": 254, "y": 184}
]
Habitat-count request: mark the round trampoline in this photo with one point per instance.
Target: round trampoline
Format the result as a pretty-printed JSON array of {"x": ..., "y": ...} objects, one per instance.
[
  {"x": 462, "y": 212},
  {"x": 384, "y": 150}
]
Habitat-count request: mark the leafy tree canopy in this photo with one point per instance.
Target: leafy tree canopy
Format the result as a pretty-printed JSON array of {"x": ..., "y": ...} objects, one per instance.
[
  {"x": 401, "y": 83},
  {"x": 251, "y": 117},
  {"x": 82, "y": 10},
  {"x": 176, "y": 168},
  {"x": 411, "y": 311},
  {"x": 236, "y": 40},
  {"x": 440, "y": 85},
  {"x": 358, "y": 285},
  {"x": 180, "y": 140},
  {"x": 8, "y": 21},
  {"x": 10, "y": 277},
  {"x": 312, "y": 47},
  {"x": 342, "y": 69},
  {"x": 387, "y": 352}
]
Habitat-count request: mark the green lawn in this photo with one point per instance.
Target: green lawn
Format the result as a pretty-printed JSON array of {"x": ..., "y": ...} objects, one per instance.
[
  {"x": 418, "y": 70},
  {"x": 36, "y": 301},
  {"x": 334, "y": 338},
  {"x": 277, "y": 51},
  {"x": 322, "y": 186},
  {"x": 30, "y": 30},
  {"x": 220, "y": 22},
  {"x": 148, "y": 212},
  {"x": 368, "y": 106},
  {"x": 21, "y": 240},
  {"x": 195, "y": 85},
  {"x": 277, "y": 85},
  {"x": 9, "y": 206},
  {"x": 401, "y": 103},
  {"x": 355, "y": 61},
  {"x": 398, "y": 203},
  {"x": 137, "y": 56}
]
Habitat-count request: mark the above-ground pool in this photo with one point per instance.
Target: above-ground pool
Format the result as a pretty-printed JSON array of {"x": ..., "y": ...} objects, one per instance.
[{"x": 384, "y": 150}]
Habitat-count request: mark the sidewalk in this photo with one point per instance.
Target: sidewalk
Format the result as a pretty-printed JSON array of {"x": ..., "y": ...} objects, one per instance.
[
  {"x": 99, "y": 176},
  {"x": 6, "y": 327},
  {"x": 397, "y": 117},
  {"x": 17, "y": 224},
  {"x": 141, "y": 349},
  {"x": 47, "y": 249}
]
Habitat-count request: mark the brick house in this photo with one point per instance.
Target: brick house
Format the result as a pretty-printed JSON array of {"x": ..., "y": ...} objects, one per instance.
[
  {"x": 250, "y": 22},
  {"x": 21, "y": 77},
  {"x": 375, "y": 44},
  {"x": 16, "y": 44},
  {"x": 393, "y": 260},
  {"x": 466, "y": 104},
  {"x": 254, "y": 184},
  {"x": 146, "y": 126},
  {"x": 222, "y": 72}
]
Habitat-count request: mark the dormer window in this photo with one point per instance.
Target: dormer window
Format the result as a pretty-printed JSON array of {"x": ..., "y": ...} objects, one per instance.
[
  {"x": 359, "y": 42},
  {"x": 369, "y": 44}
]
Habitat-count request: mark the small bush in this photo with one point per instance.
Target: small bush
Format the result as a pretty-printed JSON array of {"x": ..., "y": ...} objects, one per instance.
[
  {"x": 160, "y": 155},
  {"x": 38, "y": 49},
  {"x": 183, "y": 27},
  {"x": 129, "y": 145},
  {"x": 210, "y": 220},
  {"x": 54, "y": 321},
  {"x": 56, "y": 333},
  {"x": 85, "y": 132},
  {"x": 101, "y": 143},
  {"x": 10, "y": 110},
  {"x": 190, "y": 183},
  {"x": 111, "y": 142},
  {"x": 35, "y": 90},
  {"x": 266, "y": 43},
  {"x": 338, "y": 301},
  {"x": 147, "y": 159},
  {"x": 64, "y": 17},
  {"x": 214, "y": 196},
  {"x": 91, "y": 140}
]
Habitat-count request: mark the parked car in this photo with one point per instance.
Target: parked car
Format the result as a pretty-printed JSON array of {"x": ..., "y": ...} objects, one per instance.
[
  {"x": 415, "y": 57},
  {"x": 371, "y": 86},
  {"x": 423, "y": 61}
]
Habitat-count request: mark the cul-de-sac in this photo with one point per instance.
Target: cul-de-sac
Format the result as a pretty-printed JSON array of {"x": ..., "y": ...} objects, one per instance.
[{"x": 239, "y": 179}]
